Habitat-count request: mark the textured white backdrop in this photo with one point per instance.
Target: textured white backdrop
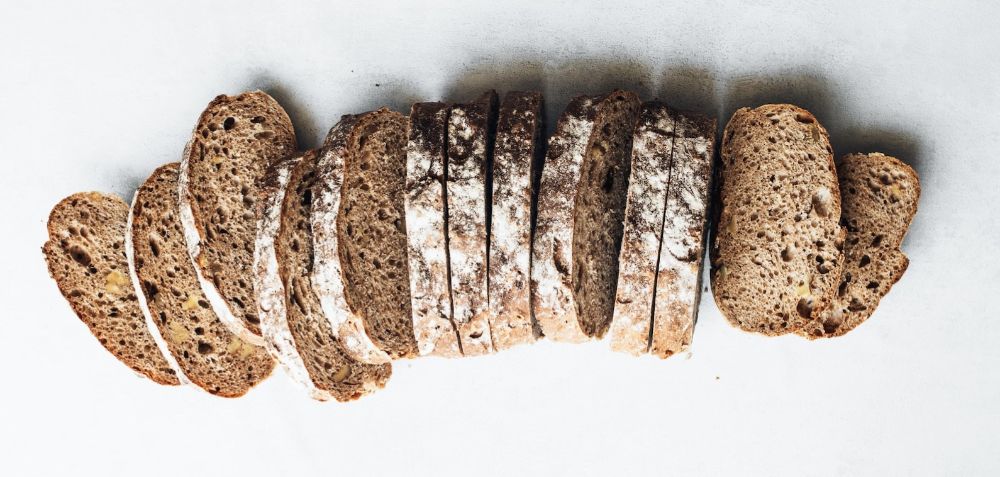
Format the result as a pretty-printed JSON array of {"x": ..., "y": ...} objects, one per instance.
[{"x": 94, "y": 95}]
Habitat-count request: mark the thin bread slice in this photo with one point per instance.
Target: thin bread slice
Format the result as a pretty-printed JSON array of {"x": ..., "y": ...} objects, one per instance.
[
  {"x": 271, "y": 309},
  {"x": 426, "y": 232},
  {"x": 880, "y": 195},
  {"x": 209, "y": 354},
  {"x": 85, "y": 254},
  {"x": 552, "y": 251},
  {"x": 235, "y": 141},
  {"x": 328, "y": 274},
  {"x": 652, "y": 151},
  {"x": 580, "y": 221},
  {"x": 371, "y": 227},
  {"x": 517, "y": 156},
  {"x": 471, "y": 130},
  {"x": 682, "y": 247},
  {"x": 329, "y": 366},
  {"x": 776, "y": 251}
]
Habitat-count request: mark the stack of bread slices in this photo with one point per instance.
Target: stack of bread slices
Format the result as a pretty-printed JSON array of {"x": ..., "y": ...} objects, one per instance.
[{"x": 458, "y": 230}]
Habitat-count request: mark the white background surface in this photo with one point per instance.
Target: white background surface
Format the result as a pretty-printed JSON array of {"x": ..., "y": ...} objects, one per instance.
[{"x": 94, "y": 95}]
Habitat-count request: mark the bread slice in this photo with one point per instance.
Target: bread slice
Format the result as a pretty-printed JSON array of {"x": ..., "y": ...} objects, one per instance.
[
  {"x": 235, "y": 140},
  {"x": 371, "y": 228},
  {"x": 210, "y": 355},
  {"x": 271, "y": 308},
  {"x": 682, "y": 248},
  {"x": 880, "y": 195},
  {"x": 517, "y": 157},
  {"x": 426, "y": 232},
  {"x": 471, "y": 129},
  {"x": 85, "y": 254},
  {"x": 581, "y": 207},
  {"x": 330, "y": 367},
  {"x": 328, "y": 274},
  {"x": 652, "y": 152},
  {"x": 776, "y": 252}
]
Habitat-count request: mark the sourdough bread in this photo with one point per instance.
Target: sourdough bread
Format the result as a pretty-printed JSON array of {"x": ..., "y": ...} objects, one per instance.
[
  {"x": 235, "y": 140},
  {"x": 271, "y": 309},
  {"x": 328, "y": 274},
  {"x": 652, "y": 151},
  {"x": 329, "y": 366},
  {"x": 208, "y": 353},
  {"x": 880, "y": 195},
  {"x": 517, "y": 156},
  {"x": 85, "y": 254},
  {"x": 682, "y": 246},
  {"x": 371, "y": 228},
  {"x": 776, "y": 251},
  {"x": 471, "y": 129},
  {"x": 426, "y": 232}
]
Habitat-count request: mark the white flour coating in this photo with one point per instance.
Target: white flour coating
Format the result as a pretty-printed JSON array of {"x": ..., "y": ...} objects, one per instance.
[
  {"x": 154, "y": 331},
  {"x": 425, "y": 232},
  {"x": 510, "y": 240},
  {"x": 328, "y": 279},
  {"x": 271, "y": 307},
  {"x": 652, "y": 150},
  {"x": 467, "y": 230},
  {"x": 551, "y": 269},
  {"x": 678, "y": 286},
  {"x": 193, "y": 240}
]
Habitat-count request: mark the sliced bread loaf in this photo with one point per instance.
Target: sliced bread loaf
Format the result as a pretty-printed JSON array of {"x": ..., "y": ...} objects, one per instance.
[
  {"x": 347, "y": 325},
  {"x": 330, "y": 368},
  {"x": 208, "y": 353},
  {"x": 271, "y": 308},
  {"x": 471, "y": 128},
  {"x": 426, "y": 232},
  {"x": 880, "y": 195},
  {"x": 776, "y": 251},
  {"x": 652, "y": 150},
  {"x": 517, "y": 156},
  {"x": 682, "y": 248},
  {"x": 85, "y": 254},
  {"x": 371, "y": 227},
  {"x": 235, "y": 140},
  {"x": 581, "y": 206}
]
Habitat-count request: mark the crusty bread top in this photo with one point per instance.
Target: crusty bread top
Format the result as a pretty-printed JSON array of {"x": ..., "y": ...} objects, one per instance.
[
  {"x": 517, "y": 157},
  {"x": 552, "y": 250},
  {"x": 236, "y": 139},
  {"x": 328, "y": 277},
  {"x": 880, "y": 196},
  {"x": 85, "y": 254},
  {"x": 426, "y": 232},
  {"x": 776, "y": 254}
]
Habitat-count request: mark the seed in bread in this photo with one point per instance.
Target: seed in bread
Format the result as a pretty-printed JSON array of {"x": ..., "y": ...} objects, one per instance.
[
  {"x": 371, "y": 228},
  {"x": 517, "y": 156},
  {"x": 471, "y": 128},
  {"x": 330, "y": 367},
  {"x": 208, "y": 353},
  {"x": 427, "y": 251},
  {"x": 652, "y": 151},
  {"x": 880, "y": 195},
  {"x": 777, "y": 247},
  {"x": 85, "y": 254},
  {"x": 682, "y": 249},
  {"x": 328, "y": 274},
  {"x": 236, "y": 139}
]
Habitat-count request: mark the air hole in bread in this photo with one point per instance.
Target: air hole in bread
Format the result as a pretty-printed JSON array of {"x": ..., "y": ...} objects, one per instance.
[
  {"x": 865, "y": 260},
  {"x": 229, "y": 123}
]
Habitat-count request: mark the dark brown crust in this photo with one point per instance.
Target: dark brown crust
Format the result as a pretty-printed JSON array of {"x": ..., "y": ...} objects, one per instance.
[
  {"x": 248, "y": 131},
  {"x": 128, "y": 339},
  {"x": 328, "y": 364}
]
